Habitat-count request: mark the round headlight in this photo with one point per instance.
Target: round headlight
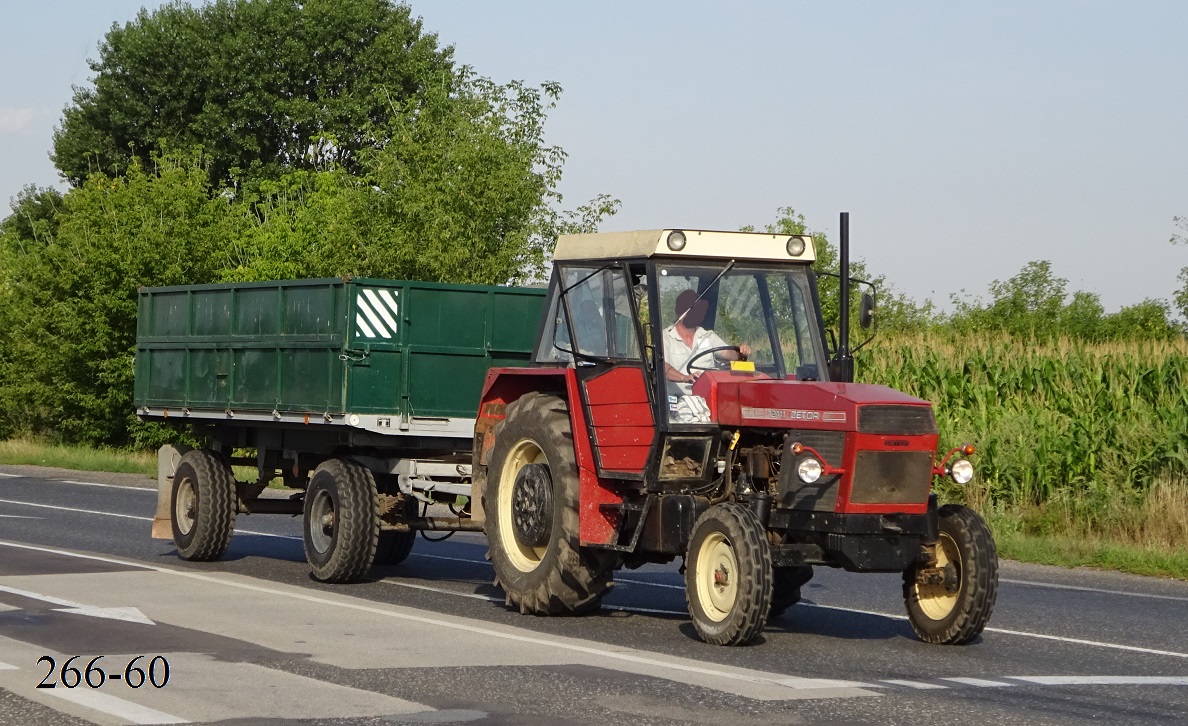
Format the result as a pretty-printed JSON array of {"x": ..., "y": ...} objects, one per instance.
[
  {"x": 961, "y": 471},
  {"x": 796, "y": 246},
  {"x": 809, "y": 470},
  {"x": 676, "y": 241}
]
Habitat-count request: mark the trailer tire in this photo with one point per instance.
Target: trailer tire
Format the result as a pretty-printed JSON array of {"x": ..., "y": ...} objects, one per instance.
[
  {"x": 202, "y": 506},
  {"x": 558, "y": 576},
  {"x": 393, "y": 547},
  {"x": 341, "y": 522},
  {"x": 939, "y": 614},
  {"x": 785, "y": 588},
  {"x": 728, "y": 575}
]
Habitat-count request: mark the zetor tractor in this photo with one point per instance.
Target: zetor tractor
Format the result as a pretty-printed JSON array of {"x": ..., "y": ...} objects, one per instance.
[{"x": 681, "y": 401}]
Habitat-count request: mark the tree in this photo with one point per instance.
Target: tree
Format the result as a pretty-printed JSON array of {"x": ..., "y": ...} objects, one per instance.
[
  {"x": 262, "y": 86},
  {"x": 1179, "y": 238}
]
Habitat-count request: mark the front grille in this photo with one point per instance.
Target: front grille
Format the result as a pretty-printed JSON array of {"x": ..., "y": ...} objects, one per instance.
[
  {"x": 821, "y": 495},
  {"x": 891, "y": 477},
  {"x": 896, "y": 420}
]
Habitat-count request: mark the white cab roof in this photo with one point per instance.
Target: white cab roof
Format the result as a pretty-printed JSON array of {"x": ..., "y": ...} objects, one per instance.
[{"x": 698, "y": 243}]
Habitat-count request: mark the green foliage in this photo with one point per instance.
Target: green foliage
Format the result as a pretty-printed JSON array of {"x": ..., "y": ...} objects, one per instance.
[
  {"x": 1034, "y": 304},
  {"x": 70, "y": 313},
  {"x": 1179, "y": 238},
  {"x": 262, "y": 86}
]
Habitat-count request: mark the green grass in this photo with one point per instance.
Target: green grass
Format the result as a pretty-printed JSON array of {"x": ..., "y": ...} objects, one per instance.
[
  {"x": 78, "y": 458},
  {"x": 1069, "y": 551}
]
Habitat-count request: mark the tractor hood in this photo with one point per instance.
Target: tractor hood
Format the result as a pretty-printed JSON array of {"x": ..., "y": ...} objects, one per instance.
[{"x": 756, "y": 400}]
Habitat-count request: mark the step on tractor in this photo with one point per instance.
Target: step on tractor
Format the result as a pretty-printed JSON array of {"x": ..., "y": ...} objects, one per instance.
[{"x": 670, "y": 394}]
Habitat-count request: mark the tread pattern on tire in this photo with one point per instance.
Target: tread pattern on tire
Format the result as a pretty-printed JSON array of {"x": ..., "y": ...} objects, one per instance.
[
  {"x": 979, "y": 581},
  {"x": 214, "y": 522},
  {"x": 569, "y": 579},
  {"x": 753, "y": 556},
  {"x": 356, "y": 525}
]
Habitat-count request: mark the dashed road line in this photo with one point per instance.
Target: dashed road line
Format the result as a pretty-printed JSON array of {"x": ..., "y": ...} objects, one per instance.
[
  {"x": 106, "y": 486},
  {"x": 1103, "y": 680},
  {"x": 918, "y": 685},
  {"x": 979, "y": 682},
  {"x": 118, "y": 707},
  {"x": 10, "y": 476}
]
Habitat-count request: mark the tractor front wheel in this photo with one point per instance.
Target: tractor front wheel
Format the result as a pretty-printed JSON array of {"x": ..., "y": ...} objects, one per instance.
[
  {"x": 531, "y": 500},
  {"x": 728, "y": 575},
  {"x": 954, "y": 605}
]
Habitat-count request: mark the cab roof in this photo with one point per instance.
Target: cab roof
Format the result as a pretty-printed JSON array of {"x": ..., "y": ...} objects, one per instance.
[{"x": 698, "y": 243}]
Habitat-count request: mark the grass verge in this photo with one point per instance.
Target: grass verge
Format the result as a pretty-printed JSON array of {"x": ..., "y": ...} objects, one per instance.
[{"x": 79, "y": 458}]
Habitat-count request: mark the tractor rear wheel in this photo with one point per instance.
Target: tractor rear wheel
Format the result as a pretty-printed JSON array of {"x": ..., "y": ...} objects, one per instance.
[
  {"x": 728, "y": 575},
  {"x": 531, "y": 501},
  {"x": 341, "y": 521},
  {"x": 955, "y": 611},
  {"x": 203, "y": 506},
  {"x": 785, "y": 588}
]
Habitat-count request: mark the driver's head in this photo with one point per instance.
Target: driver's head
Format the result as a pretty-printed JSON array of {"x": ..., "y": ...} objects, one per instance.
[{"x": 694, "y": 313}]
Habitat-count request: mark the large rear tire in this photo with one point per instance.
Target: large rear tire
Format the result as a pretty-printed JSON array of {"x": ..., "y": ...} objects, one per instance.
[
  {"x": 202, "y": 506},
  {"x": 728, "y": 575},
  {"x": 531, "y": 501},
  {"x": 341, "y": 521},
  {"x": 785, "y": 588},
  {"x": 956, "y": 611}
]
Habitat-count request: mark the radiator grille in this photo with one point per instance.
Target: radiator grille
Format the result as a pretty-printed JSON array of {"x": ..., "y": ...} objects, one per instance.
[
  {"x": 891, "y": 477},
  {"x": 896, "y": 420}
]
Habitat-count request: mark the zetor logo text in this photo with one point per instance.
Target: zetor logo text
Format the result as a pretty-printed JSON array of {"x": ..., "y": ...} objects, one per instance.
[{"x": 793, "y": 414}]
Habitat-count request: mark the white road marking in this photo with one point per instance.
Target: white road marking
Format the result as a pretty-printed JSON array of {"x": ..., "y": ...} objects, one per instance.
[
  {"x": 107, "y": 486},
  {"x": 74, "y": 509},
  {"x": 7, "y": 667},
  {"x": 492, "y": 598},
  {"x": 979, "y": 682},
  {"x": 1104, "y": 680},
  {"x": 1080, "y": 588},
  {"x": 112, "y": 706},
  {"x": 10, "y": 476},
  {"x": 131, "y": 615},
  {"x": 918, "y": 685},
  {"x": 17, "y": 516},
  {"x": 610, "y": 652}
]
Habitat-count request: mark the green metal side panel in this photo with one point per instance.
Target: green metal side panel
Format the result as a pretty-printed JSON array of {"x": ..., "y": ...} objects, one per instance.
[{"x": 330, "y": 346}]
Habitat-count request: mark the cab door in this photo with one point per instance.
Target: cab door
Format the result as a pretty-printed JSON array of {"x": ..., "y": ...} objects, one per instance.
[{"x": 611, "y": 372}]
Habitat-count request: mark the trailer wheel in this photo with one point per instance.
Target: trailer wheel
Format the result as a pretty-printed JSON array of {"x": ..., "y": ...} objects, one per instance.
[
  {"x": 728, "y": 575},
  {"x": 531, "y": 500},
  {"x": 203, "y": 506},
  {"x": 785, "y": 588},
  {"x": 393, "y": 547},
  {"x": 341, "y": 521},
  {"x": 955, "y": 611}
]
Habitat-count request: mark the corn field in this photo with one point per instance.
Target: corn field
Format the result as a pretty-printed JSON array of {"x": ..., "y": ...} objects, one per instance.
[{"x": 1085, "y": 428}]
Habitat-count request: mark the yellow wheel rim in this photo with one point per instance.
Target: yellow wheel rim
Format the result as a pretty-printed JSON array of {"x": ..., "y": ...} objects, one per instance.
[
  {"x": 717, "y": 577},
  {"x": 935, "y": 600},
  {"x": 524, "y": 452}
]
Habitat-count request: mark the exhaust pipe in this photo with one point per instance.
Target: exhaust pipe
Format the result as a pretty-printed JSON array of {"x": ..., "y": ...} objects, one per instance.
[{"x": 841, "y": 368}]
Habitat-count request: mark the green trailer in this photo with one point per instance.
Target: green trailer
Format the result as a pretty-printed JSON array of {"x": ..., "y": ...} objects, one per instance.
[{"x": 387, "y": 373}]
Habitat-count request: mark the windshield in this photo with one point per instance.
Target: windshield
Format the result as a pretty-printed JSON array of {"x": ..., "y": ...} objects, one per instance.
[{"x": 765, "y": 313}]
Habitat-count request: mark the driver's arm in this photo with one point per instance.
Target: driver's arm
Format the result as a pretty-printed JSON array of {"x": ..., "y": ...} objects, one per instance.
[{"x": 673, "y": 374}]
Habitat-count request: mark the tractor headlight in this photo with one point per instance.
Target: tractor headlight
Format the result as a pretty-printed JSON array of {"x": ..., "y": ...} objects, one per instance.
[
  {"x": 795, "y": 246},
  {"x": 809, "y": 470},
  {"x": 676, "y": 241},
  {"x": 961, "y": 471}
]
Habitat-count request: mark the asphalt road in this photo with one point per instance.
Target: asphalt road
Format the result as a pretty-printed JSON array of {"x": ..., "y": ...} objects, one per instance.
[{"x": 253, "y": 640}]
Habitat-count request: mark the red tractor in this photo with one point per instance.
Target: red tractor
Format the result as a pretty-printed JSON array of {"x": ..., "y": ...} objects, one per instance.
[{"x": 682, "y": 402}]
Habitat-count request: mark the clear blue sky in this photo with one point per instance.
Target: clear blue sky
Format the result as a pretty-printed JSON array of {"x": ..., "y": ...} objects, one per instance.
[{"x": 965, "y": 139}]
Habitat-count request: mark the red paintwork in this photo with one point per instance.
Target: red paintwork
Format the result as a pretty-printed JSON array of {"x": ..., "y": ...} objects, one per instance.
[
  {"x": 793, "y": 404},
  {"x": 621, "y": 416},
  {"x": 504, "y": 385},
  {"x": 876, "y": 442}
]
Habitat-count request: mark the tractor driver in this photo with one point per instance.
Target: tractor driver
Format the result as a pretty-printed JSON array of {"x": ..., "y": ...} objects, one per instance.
[{"x": 685, "y": 338}]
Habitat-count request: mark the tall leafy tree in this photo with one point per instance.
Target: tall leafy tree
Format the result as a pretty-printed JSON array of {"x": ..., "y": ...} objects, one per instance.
[{"x": 263, "y": 86}]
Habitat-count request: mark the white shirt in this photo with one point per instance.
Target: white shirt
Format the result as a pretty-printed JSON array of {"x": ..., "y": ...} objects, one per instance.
[{"x": 678, "y": 355}]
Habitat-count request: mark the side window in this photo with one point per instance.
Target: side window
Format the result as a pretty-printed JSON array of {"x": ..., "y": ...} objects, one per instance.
[
  {"x": 600, "y": 308},
  {"x": 554, "y": 342}
]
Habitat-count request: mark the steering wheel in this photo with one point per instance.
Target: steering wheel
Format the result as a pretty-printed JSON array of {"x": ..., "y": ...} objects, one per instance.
[{"x": 707, "y": 351}]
